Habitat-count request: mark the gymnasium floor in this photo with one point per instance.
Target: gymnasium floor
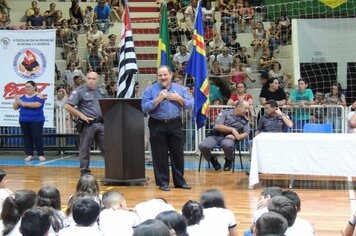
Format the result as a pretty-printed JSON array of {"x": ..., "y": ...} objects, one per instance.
[{"x": 327, "y": 202}]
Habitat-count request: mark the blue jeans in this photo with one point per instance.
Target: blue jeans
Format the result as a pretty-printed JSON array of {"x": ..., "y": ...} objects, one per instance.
[
  {"x": 106, "y": 26},
  {"x": 32, "y": 135},
  {"x": 273, "y": 44}
]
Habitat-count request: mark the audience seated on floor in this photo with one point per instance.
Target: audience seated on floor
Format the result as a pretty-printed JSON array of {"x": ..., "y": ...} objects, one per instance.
[
  {"x": 152, "y": 227},
  {"x": 218, "y": 220},
  {"x": 300, "y": 226},
  {"x": 266, "y": 195},
  {"x": 85, "y": 212},
  {"x": 87, "y": 187},
  {"x": 193, "y": 213},
  {"x": 270, "y": 223},
  {"x": 175, "y": 221},
  {"x": 50, "y": 197},
  {"x": 151, "y": 208},
  {"x": 36, "y": 221},
  {"x": 116, "y": 216},
  {"x": 13, "y": 209},
  {"x": 4, "y": 190}
]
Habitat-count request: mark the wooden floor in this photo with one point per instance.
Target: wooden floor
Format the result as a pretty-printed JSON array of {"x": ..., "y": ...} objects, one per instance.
[{"x": 325, "y": 201}]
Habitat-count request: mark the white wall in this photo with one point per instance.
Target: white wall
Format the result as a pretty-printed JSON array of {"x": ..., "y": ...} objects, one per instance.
[{"x": 325, "y": 40}]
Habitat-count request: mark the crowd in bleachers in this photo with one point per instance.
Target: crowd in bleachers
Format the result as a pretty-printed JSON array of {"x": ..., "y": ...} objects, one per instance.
[
  {"x": 231, "y": 65},
  {"x": 94, "y": 22},
  {"x": 221, "y": 37},
  {"x": 229, "y": 62}
]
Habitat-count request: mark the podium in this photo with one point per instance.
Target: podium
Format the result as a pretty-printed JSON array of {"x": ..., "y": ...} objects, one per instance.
[{"x": 124, "y": 141}]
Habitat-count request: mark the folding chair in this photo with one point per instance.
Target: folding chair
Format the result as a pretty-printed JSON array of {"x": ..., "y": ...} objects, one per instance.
[{"x": 236, "y": 148}]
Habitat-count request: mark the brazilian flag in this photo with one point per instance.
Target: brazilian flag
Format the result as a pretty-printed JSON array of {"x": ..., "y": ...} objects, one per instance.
[{"x": 163, "y": 55}]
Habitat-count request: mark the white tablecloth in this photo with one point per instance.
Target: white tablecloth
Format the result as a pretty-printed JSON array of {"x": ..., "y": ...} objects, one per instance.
[{"x": 303, "y": 154}]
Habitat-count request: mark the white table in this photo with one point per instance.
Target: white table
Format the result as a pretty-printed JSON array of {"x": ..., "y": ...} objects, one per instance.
[{"x": 303, "y": 154}]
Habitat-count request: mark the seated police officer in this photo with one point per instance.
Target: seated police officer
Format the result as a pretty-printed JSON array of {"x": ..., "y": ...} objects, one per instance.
[
  {"x": 273, "y": 121},
  {"x": 230, "y": 126}
]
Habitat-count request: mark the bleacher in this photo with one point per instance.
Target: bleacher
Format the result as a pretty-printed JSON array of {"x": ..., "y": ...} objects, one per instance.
[{"x": 145, "y": 26}]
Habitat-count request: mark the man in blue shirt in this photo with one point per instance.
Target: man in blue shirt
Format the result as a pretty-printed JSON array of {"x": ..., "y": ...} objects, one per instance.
[
  {"x": 164, "y": 101},
  {"x": 102, "y": 15},
  {"x": 36, "y": 20}
]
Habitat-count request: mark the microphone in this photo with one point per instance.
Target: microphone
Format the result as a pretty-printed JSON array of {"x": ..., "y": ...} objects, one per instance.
[{"x": 164, "y": 85}]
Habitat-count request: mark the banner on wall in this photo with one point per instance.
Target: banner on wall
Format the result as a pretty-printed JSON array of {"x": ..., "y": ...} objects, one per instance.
[{"x": 16, "y": 47}]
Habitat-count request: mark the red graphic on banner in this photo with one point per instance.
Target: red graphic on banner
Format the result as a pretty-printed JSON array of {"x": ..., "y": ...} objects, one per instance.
[{"x": 11, "y": 89}]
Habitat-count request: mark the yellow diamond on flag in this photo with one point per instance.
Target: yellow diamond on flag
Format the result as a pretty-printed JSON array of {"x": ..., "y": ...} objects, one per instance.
[{"x": 333, "y": 3}]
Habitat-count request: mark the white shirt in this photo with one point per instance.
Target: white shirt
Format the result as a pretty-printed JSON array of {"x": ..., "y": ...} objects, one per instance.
[
  {"x": 196, "y": 230},
  {"x": 208, "y": 13},
  {"x": 68, "y": 75},
  {"x": 119, "y": 221},
  {"x": 4, "y": 193},
  {"x": 15, "y": 231},
  {"x": 258, "y": 214},
  {"x": 225, "y": 61},
  {"x": 178, "y": 57},
  {"x": 150, "y": 209},
  {"x": 75, "y": 230},
  {"x": 300, "y": 227},
  {"x": 217, "y": 221}
]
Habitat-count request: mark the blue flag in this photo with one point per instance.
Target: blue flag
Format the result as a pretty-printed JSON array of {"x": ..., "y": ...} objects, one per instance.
[{"x": 197, "y": 67}]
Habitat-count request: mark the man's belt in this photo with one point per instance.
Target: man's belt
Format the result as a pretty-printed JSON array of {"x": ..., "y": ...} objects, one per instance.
[
  {"x": 98, "y": 120},
  {"x": 167, "y": 121}
]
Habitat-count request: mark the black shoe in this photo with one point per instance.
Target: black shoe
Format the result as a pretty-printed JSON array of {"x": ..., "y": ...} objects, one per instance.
[
  {"x": 184, "y": 186},
  {"x": 164, "y": 188},
  {"x": 215, "y": 163},
  {"x": 227, "y": 165}
]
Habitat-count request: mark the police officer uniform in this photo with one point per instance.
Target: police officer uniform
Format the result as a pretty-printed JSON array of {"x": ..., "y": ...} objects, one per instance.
[
  {"x": 227, "y": 118},
  {"x": 87, "y": 102},
  {"x": 271, "y": 124}
]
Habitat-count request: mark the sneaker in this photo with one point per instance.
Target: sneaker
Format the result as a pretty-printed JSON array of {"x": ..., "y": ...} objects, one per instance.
[
  {"x": 215, "y": 163},
  {"x": 41, "y": 158},
  {"x": 28, "y": 158}
]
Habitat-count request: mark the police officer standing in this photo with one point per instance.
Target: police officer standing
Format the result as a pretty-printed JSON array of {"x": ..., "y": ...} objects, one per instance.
[
  {"x": 84, "y": 103},
  {"x": 230, "y": 125},
  {"x": 164, "y": 101}
]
